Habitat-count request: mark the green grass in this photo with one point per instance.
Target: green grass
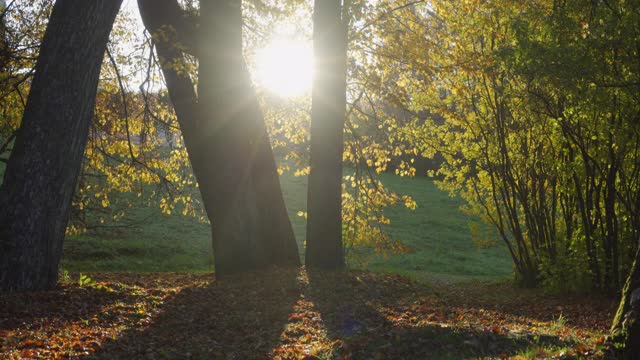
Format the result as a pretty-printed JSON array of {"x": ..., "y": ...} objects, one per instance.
[
  {"x": 440, "y": 237},
  {"x": 437, "y": 232},
  {"x": 164, "y": 243},
  {"x": 294, "y": 190}
]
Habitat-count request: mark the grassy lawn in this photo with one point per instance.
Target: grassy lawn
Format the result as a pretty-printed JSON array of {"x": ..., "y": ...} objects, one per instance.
[
  {"x": 163, "y": 243},
  {"x": 437, "y": 232},
  {"x": 440, "y": 237}
]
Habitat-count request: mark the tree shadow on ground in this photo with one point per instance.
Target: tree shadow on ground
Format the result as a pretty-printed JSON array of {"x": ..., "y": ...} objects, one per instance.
[
  {"x": 287, "y": 314},
  {"x": 593, "y": 311},
  {"x": 374, "y": 316},
  {"x": 67, "y": 303},
  {"x": 237, "y": 317}
]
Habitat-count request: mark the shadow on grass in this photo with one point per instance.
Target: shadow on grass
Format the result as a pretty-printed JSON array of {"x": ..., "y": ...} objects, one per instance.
[
  {"x": 238, "y": 317},
  {"x": 371, "y": 316}
]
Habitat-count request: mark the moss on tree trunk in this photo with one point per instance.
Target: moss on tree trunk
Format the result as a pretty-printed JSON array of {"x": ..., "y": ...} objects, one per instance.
[{"x": 625, "y": 331}]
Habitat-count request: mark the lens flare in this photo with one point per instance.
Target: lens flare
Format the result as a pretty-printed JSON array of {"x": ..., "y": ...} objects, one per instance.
[{"x": 284, "y": 67}]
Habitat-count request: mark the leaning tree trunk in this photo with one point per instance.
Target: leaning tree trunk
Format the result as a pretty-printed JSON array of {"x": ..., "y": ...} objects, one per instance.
[
  {"x": 40, "y": 178},
  {"x": 225, "y": 137},
  {"x": 626, "y": 324},
  {"x": 4, "y": 56},
  {"x": 324, "y": 200}
]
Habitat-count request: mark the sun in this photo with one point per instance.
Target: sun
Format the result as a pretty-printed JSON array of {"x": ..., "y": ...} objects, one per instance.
[{"x": 285, "y": 67}]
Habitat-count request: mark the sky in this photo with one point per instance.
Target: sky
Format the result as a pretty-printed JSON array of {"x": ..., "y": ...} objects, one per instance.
[
  {"x": 284, "y": 76},
  {"x": 132, "y": 7}
]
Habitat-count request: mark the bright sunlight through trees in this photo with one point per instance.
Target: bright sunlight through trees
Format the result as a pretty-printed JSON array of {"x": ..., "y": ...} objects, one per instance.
[{"x": 285, "y": 66}]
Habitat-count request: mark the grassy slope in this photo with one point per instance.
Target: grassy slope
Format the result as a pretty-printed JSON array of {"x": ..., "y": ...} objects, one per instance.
[
  {"x": 437, "y": 232},
  {"x": 164, "y": 243}
]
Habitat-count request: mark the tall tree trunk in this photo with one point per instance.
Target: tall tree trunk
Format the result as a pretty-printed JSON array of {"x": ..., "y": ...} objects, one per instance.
[
  {"x": 324, "y": 199},
  {"x": 226, "y": 138},
  {"x": 626, "y": 324},
  {"x": 4, "y": 56},
  {"x": 35, "y": 197}
]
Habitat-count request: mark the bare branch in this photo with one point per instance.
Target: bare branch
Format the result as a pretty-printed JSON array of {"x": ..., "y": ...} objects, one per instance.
[{"x": 5, "y": 145}]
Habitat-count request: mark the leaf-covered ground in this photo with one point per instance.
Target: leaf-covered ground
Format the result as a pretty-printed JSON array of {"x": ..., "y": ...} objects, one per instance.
[{"x": 294, "y": 315}]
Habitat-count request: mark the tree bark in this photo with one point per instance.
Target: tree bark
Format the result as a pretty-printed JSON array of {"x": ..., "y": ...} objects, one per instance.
[
  {"x": 626, "y": 324},
  {"x": 227, "y": 141},
  {"x": 324, "y": 200},
  {"x": 3, "y": 41},
  {"x": 35, "y": 197}
]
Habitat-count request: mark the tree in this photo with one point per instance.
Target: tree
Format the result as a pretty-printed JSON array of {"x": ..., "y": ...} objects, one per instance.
[
  {"x": 3, "y": 30},
  {"x": 324, "y": 202},
  {"x": 532, "y": 107},
  {"x": 626, "y": 324},
  {"x": 17, "y": 55},
  {"x": 225, "y": 135},
  {"x": 41, "y": 173}
]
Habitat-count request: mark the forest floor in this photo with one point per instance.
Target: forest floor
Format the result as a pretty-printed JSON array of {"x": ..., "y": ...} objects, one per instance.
[{"x": 292, "y": 314}]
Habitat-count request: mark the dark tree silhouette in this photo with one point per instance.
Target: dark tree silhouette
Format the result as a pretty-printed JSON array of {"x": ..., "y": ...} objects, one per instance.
[
  {"x": 225, "y": 134},
  {"x": 41, "y": 174},
  {"x": 324, "y": 201}
]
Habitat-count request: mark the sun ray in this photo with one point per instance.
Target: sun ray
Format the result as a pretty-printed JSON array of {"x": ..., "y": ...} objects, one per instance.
[{"x": 284, "y": 67}]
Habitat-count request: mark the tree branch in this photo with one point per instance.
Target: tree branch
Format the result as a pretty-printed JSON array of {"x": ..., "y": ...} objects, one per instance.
[{"x": 162, "y": 16}]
